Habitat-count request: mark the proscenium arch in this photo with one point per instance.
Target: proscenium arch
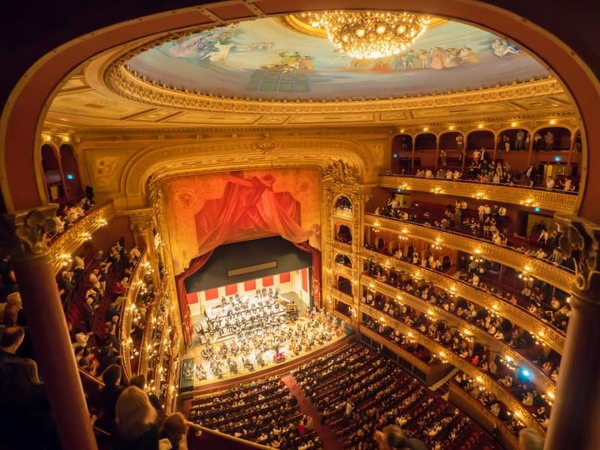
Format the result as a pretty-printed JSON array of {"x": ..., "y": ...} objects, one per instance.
[
  {"x": 19, "y": 127},
  {"x": 207, "y": 157}
]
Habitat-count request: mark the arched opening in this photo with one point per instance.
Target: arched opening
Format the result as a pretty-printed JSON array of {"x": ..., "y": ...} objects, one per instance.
[
  {"x": 71, "y": 172},
  {"x": 53, "y": 176},
  {"x": 425, "y": 141},
  {"x": 344, "y": 260},
  {"x": 480, "y": 139},
  {"x": 451, "y": 149},
  {"x": 514, "y": 139},
  {"x": 343, "y": 203},
  {"x": 402, "y": 146},
  {"x": 344, "y": 285},
  {"x": 343, "y": 234},
  {"x": 552, "y": 139}
]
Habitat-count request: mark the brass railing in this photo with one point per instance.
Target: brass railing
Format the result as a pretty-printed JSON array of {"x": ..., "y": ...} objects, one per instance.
[
  {"x": 435, "y": 312},
  {"x": 63, "y": 247},
  {"x": 404, "y": 354},
  {"x": 519, "y": 316},
  {"x": 200, "y": 428},
  {"x": 556, "y": 201},
  {"x": 562, "y": 279}
]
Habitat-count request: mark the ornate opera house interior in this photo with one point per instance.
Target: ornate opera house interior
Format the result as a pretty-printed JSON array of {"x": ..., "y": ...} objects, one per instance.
[{"x": 301, "y": 225}]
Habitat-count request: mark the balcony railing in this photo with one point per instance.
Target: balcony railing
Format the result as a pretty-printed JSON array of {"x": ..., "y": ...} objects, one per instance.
[
  {"x": 488, "y": 382},
  {"x": 64, "y": 245},
  {"x": 346, "y": 248},
  {"x": 561, "y": 278},
  {"x": 543, "y": 381},
  {"x": 517, "y": 315},
  {"x": 558, "y": 201}
]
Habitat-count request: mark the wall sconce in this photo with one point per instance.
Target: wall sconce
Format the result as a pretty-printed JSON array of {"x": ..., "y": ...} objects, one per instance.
[
  {"x": 425, "y": 129},
  {"x": 526, "y": 274},
  {"x": 451, "y": 127},
  {"x": 513, "y": 124},
  {"x": 552, "y": 122},
  {"x": 480, "y": 126}
]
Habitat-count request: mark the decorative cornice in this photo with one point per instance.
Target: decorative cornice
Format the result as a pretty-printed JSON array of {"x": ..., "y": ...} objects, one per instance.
[
  {"x": 538, "y": 268},
  {"x": 133, "y": 87},
  {"x": 515, "y": 195},
  {"x": 519, "y": 317}
]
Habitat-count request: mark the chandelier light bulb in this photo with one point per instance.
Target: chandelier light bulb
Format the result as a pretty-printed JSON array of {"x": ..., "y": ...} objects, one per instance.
[{"x": 369, "y": 34}]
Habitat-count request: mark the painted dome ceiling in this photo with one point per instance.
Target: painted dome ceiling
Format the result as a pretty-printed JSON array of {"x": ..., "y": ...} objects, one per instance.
[{"x": 268, "y": 59}]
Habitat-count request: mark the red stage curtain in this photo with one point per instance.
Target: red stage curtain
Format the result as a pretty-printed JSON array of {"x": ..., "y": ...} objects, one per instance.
[
  {"x": 304, "y": 274},
  {"x": 284, "y": 278},
  {"x": 316, "y": 265},
  {"x": 184, "y": 308},
  {"x": 249, "y": 208}
]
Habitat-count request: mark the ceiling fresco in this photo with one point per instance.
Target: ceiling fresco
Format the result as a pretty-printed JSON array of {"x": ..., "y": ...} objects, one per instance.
[{"x": 265, "y": 59}]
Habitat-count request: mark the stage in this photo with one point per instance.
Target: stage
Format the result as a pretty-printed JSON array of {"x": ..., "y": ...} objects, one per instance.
[{"x": 254, "y": 331}]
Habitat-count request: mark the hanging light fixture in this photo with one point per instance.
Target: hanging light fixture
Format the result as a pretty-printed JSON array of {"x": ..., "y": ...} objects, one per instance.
[{"x": 369, "y": 34}]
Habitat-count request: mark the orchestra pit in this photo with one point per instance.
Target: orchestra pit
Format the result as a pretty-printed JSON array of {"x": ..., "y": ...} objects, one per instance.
[{"x": 282, "y": 224}]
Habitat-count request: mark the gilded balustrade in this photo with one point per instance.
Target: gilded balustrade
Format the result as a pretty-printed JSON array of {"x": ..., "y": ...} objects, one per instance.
[
  {"x": 537, "y": 268},
  {"x": 521, "y": 318},
  {"x": 545, "y": 383},
  {"x": 345, "y": 271},
  {"x": 128, "y": 312},
  {"x": 346, "y": 248},
  {"x": 68, "y": 242},
  {"x": 404, "y": 354},
  {"x": 343, "y": 214},
  {"x": 348, "y": 299},
  {"x": 484, "y": 379},
  {"x": 515, "y": 195},
  {"x": 342, "y": 317}
]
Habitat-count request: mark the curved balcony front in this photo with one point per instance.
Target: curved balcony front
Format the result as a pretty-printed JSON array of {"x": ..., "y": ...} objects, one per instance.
[
  {"x": 519, "y": 316},
  {"x": 543, "y": 381},
  {"x": 488, "y": 382},
  {"x": 560, "y": 278},
  {"x": 557, "y": 201},
  {"x": 65, "y": 244}
]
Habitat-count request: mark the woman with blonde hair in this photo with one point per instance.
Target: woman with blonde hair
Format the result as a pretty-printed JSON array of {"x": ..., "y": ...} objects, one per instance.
[{"x": 136, "y": 421}]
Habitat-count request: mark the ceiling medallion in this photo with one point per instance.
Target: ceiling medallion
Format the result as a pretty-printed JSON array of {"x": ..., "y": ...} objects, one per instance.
[{"x": 369, "y": 34}]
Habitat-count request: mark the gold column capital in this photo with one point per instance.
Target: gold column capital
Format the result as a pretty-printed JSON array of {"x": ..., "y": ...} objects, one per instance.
[
  {"x": 580, "y": 240},
  {"x": 27, "y": 233}
]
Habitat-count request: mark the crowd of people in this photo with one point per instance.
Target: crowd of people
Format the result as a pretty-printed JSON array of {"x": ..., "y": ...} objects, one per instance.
[
  {"x": 489, "y": 222},
  {"x": 537, "y": 297},
  {"x": 360, "y": 394},
  {"x": 245, "y": 350},
  {"x": 262, "y": 411},
  {"x": 484, "y": 170},
  {"x": 487, "y": 320}
]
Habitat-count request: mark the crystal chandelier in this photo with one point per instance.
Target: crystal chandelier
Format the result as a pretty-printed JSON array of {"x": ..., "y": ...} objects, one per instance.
[{"x": 369, "y": 34}]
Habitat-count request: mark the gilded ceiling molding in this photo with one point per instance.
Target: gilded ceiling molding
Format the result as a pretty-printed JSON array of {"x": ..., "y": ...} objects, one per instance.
[
  {"x": 524, "y": 196},
  {"x": 126, "y": 84},
  {"x": 204, "y": 157}
]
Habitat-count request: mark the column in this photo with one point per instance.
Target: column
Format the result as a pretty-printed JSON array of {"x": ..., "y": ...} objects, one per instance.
[
  {"x": 574, "y": 422},
  {"x": 141, "y": 224},
  {"x": 47, "y": 326}
]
